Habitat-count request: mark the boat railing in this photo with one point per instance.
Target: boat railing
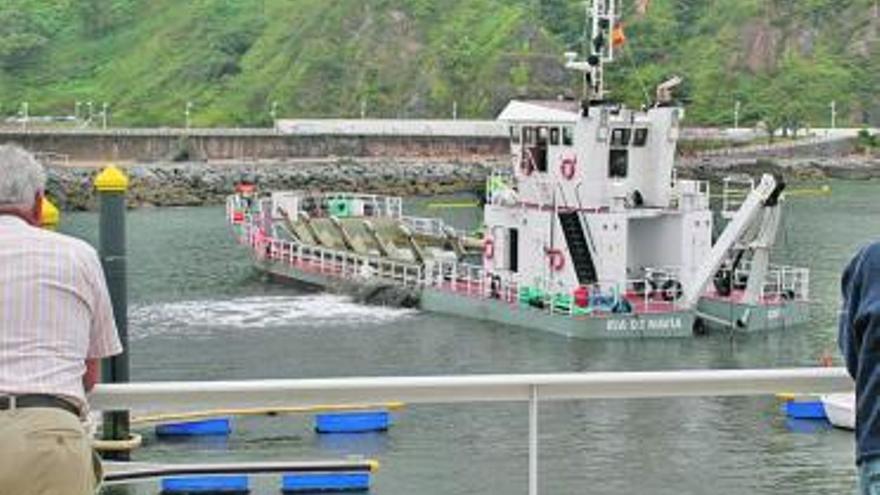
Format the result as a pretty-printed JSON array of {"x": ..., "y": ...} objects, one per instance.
[
  {"x": 786, "y": 283},
  {"x": 338, "y": 263},
  {"x": 781, "y": 283},
  {"x": 734, "y": 191},
  {"x": 499, "y": 182},
  {"x": 531, "y": 389},
  {"x": 659, "y": 290},
  {"x": 321, "y": 204},
  {"x": 434, "y": 227},
  {"x": 699, "y": 189}
]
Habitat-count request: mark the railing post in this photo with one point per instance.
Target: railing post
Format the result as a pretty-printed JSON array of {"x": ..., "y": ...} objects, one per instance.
[{"x": 533, "y": 440}]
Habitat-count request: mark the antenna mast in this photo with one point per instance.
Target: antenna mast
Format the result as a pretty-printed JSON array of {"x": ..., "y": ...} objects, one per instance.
[{"x": 603, "y": 14}]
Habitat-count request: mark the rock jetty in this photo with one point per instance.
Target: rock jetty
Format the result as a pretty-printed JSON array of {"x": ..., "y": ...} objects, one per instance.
[{"x": 196, "y": 184}]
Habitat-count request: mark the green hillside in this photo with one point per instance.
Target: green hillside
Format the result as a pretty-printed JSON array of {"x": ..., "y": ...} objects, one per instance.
[{"x": 784, "y": 60}]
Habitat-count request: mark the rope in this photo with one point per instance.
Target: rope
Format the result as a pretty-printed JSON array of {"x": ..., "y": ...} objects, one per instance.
[
  {"x": 261, "y": 411},
  {"x": 134, "y": 441}
]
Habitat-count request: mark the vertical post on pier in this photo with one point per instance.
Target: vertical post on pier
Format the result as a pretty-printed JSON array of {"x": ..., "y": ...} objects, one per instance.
[
  {"x": 833, "y": 114},
  {"x": 533, "y": 440},
  {"x": 112, "y": 185},
  {"x": 736, "y": 108}
]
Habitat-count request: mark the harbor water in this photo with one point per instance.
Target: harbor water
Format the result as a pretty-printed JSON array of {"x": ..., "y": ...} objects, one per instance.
[{"x": 199, "y": 312}]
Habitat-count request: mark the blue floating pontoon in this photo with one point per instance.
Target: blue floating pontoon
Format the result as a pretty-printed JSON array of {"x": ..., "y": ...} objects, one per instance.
[
  {"x": 217, "y": 426},
  {"x": 325, "y": 482},
  {"x": 227, "y": 485},
  {"x": 352, "y": 422},
  {"x": 797, "y": 409}
]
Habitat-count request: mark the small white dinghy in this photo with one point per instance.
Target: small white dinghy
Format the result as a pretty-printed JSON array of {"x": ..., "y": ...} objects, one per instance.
[{"x": 840, "y": 410}]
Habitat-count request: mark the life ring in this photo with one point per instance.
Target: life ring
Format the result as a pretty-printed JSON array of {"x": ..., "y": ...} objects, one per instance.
[
  {"x": 672, "y": 290},
  {"x": 568, "y": 167},
  {"x": 556, "y": 259},
  {"x": 488, "y": 249}
]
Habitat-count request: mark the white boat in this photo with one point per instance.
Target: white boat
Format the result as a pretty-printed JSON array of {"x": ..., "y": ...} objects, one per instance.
[
  {"x": 588, "y": 233},
  {"x": 840, "y": 410}
]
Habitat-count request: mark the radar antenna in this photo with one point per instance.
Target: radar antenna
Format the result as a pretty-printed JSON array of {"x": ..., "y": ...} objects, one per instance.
[{"x": 603, "y": 15}]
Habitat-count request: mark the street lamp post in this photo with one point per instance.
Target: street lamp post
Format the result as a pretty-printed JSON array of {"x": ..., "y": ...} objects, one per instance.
[
  {"x": 104, "y": 115},
  {"x": 24, "y": 115},
  {"x": 454, "y": 110},
  {"x": 363, "y": 109},
  {"x": 736, "y": 107},
  {"x": 91, "y": 112},
  {"x": 76, "y": 108},
  {"x": 274, "y": 114},
  {"x": 189, "y": 106},
  {"x": 833, "y": 114}
]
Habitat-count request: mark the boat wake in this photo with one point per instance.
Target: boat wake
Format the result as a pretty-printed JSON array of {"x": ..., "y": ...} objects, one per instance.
[{"x": 254, "y": 313}]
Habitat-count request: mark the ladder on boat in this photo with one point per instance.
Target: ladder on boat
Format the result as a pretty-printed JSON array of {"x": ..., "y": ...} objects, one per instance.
[{"x": 581, "y": 256}]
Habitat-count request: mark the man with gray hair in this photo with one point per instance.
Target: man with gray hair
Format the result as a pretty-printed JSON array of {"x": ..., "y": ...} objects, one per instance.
[{"x": 56, "y": 323}]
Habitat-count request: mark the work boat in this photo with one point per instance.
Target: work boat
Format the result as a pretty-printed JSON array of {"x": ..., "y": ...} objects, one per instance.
[{"x": 588, "y": 234}]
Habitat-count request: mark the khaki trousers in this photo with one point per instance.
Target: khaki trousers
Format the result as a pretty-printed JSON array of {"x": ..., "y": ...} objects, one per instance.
[{"x": 46, "y": 451}]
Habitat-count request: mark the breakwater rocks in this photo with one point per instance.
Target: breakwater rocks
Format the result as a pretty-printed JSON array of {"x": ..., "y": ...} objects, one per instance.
[
  {"x": 196, "y": 184},
  {"x": 851, "y": 167}
]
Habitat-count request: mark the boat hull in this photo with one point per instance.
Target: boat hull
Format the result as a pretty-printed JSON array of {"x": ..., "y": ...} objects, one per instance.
[
  {"x": 604, "y": 326},
  {"x": 598, "y": 326},
  {"x": 719, "y": 314}
]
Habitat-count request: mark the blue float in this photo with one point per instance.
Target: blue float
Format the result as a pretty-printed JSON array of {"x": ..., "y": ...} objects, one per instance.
[
  {"x": 209, "y": 427},
  {"x": 325, "y": 482},
  {"x": 352, "y": 422},
  {"x": 227, "y": 485},
  {"x": 797, "y": 409}
]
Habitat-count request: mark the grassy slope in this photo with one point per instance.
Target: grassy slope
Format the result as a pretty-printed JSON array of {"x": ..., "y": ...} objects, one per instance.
[{"x": 233, "y": 58}]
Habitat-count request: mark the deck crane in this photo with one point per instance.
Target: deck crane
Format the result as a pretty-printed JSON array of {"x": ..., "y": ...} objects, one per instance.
[{"x": 761, "y": 210}]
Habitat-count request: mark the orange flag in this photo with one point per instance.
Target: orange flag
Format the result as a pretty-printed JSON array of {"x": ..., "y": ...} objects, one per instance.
[{"x": 618, "y": 38}]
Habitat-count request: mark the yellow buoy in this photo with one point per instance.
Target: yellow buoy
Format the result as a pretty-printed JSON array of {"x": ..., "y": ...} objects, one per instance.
[
  {"x": 49, "y": 216},
  {"x": 111, "y": 179}
]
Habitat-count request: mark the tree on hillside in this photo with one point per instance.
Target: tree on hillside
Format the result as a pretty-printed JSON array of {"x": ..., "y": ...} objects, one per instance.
[
  {"x": 20, "y": 36},
  {"x": 100, "y": 17}
]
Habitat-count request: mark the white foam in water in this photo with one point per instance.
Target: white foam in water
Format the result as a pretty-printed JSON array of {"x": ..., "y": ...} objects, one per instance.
[{"x": 206, "y": 317}]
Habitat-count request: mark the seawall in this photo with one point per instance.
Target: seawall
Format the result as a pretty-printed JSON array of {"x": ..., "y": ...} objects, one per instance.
[{"x": 152, "y": 145}]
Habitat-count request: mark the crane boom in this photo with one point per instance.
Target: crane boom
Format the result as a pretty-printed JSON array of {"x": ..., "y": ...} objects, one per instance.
[{"x": 765, "y": 194}]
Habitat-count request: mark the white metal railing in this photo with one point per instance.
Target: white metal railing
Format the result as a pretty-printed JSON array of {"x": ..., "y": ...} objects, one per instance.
[
  {"x": 781, "y": 282},
  {"x": 470, "y": 389}
]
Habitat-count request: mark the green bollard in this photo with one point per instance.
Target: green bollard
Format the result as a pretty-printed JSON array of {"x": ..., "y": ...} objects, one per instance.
[{"x": 112, "y": 186}]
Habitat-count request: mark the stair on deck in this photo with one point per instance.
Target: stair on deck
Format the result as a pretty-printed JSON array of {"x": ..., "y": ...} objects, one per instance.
[{"x": 581, "y": 256}]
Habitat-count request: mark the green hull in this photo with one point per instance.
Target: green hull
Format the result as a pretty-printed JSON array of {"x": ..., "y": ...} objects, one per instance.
[
  {"x": 724, "y": 315},
  {"x": 604, "y": 326}
]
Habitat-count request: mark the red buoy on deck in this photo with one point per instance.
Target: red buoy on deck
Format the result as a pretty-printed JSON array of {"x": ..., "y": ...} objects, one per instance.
[{"x": 581, "y": 297}]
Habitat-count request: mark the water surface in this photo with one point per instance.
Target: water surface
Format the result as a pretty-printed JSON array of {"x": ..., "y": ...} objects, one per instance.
[{"x": 199, "y": 312}]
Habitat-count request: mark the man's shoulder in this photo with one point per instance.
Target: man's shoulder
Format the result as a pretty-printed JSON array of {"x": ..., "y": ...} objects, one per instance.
[{"x": 76, "y": 248}]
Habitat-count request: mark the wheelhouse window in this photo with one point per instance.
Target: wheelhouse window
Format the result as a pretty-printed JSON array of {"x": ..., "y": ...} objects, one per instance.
[
  {"x": 515, "y": 134},
  {"x": 543, "y": 136},
  {"x": 641, "y": 137},
  {"x": 567, "y": 136},
  {"x": 554, "y": 136},
  {"x": 529, "y": 135},
  {"x": 618, "y": 163},
  {"x": 621, "y": 137}
]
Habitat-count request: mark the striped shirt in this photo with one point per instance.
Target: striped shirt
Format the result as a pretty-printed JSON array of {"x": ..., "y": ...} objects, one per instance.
[{"x": 55, "y": 311}]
